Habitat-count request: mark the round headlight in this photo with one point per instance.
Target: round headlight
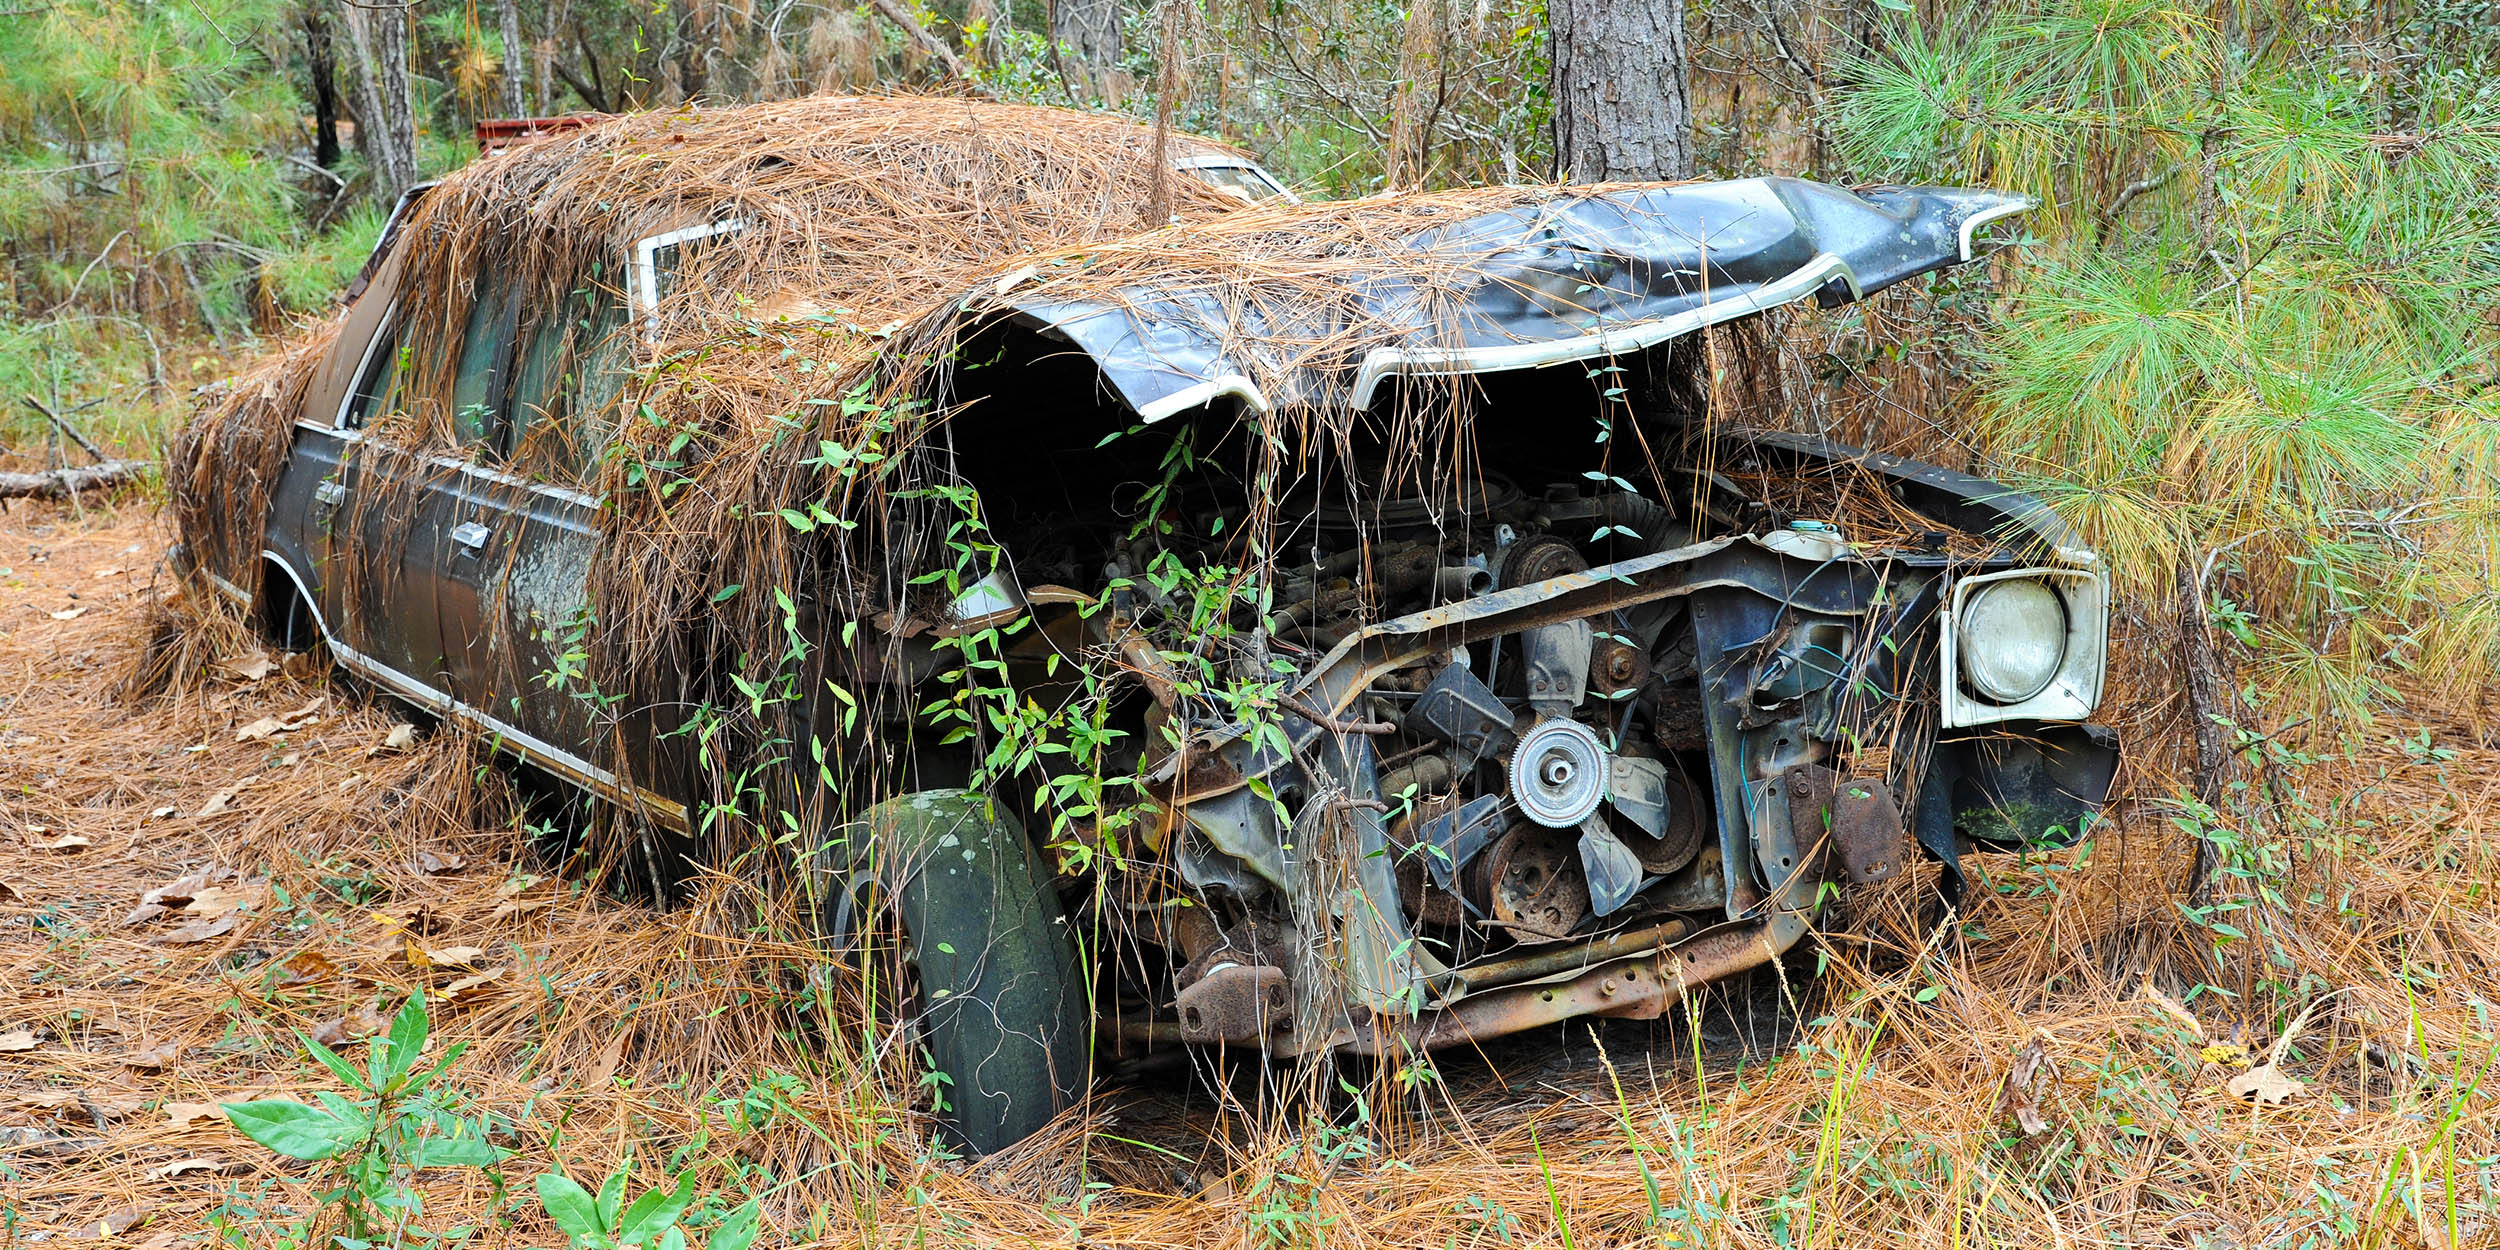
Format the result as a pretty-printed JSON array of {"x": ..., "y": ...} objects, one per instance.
[{"x": 2013, "y": 638}]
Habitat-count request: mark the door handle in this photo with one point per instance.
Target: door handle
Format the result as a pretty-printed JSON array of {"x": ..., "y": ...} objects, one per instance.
[{"x": 471, "y": 536}]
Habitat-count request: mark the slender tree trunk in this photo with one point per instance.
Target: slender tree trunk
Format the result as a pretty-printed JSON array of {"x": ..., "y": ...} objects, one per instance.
[
  {"x": 322, "y": 65},
  {"x": 2201, "y": 666},
  {"x": 1620, "y": 110},
  {"x": 386, "y": 115},
  {"x": 515, "y": 68},
  {"x": 1090, "y": 29},
  {"x": 543, "y": 52}
]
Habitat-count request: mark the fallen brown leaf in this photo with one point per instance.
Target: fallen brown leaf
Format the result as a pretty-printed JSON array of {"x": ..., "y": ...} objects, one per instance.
[
  {"x": 605, "y": 1067},
  {"x": 181, "y": 1167},
  {"x": 420, "y": 921},
  {"x": 2171, "y": 1007},
  {"x": 70, "y": 614},
  {"x": 430, "y": 863},
  {"x": 351, "y": 1028},
  {"x": 215, "y": 901},
  {"x": 401, "y": 737},
  {"x": 2022, "y": 1087},
  {"x": 16, "y": 1040},
  {"x": 251, "y": 668},
  {"x": 2265, "y": 1085},
  {"x": 519, "y": 906},
  {"x": 110, "y": 570},
  {"x": 223, "y": 801},
  {"x": 259, "y": 729},
  {"x": 520, "y": 881},
  {"x": 50, "y": 1101},
  {"x": 186, "y": 1114},
  {"x": 420, "y": 955},
  {"x": 153, "y": 1059},
  {"x": 465, "y": 984},
  {"x": 123, "y": 1221},
  {"x": 65, "y": 842},
  {"x": 203, "y": 930},
  {"x": 305, "y": 966}
]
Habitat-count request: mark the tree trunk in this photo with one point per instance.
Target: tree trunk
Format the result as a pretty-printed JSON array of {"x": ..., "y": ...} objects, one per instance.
[
  {"x": 323, "y": 67},
  {"x": 386, "y": 126},
  {"x": 2201, "y": 667},
  {"x": 1620, "y": 110},
  {"x": 515, "y": 69},
  {"x": 1089, "y": 29},
  {"x": 543, "y": 53}
]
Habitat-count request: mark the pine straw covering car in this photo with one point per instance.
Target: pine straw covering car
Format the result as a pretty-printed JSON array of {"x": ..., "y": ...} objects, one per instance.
[{"x": 1169, "y": 618}]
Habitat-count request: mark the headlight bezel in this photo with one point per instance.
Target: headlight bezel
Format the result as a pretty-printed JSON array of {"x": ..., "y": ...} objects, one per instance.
[
  {"x": 2050, "y": 633},
  {"x": 2072, "y": 691}
]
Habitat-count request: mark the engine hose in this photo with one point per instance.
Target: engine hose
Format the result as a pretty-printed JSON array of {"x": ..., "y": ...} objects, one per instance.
[{"x": 1651, "y": 522}]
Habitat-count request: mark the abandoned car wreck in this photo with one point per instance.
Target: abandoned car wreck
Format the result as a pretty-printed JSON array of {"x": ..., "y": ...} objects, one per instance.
[{"x": 1302, "y": 627}]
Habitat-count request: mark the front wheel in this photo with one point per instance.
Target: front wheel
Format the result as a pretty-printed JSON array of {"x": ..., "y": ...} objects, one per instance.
[{"x": 987, "y": 975}]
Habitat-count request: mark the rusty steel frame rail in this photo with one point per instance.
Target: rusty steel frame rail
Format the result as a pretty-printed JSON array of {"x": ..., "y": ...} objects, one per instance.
[{"x": 1640, "y": 986}]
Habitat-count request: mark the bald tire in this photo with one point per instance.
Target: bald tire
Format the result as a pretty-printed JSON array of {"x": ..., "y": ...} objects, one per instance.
[{"x": 1010, "y": 1030}]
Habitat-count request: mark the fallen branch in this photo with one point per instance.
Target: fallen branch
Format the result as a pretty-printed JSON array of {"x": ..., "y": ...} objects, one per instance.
[
  {"x": 93, "y": 451},
  {"x": 62, "y": 483},
  {"x": 919, "y": 34}
]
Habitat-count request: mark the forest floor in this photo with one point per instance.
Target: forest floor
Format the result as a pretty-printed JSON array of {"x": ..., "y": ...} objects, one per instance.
[{"x": 191, "y": 878}]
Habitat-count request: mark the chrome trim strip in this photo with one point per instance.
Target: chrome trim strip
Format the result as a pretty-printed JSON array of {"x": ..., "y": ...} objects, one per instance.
[
  {"x": 667, "y": 812},
  {"x": 1207, "y": 392},
  {"x": 241, "y": 597},
  {"x": 1971, "y": 225},
  {"x": 647, "y": 266},
  {"x": 1433, "y": 361},
  {"x": 356, "y": 381},
  {"x": 568, "y": 494}
]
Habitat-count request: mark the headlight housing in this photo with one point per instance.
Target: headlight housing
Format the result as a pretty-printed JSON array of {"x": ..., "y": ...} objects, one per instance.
[
  {"x": 2013, "y": 638},
  {"x": 2025, "y": 644}
]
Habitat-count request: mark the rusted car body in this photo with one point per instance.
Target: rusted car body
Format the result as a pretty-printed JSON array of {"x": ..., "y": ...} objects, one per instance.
[{"x": 1531, "y": 725}]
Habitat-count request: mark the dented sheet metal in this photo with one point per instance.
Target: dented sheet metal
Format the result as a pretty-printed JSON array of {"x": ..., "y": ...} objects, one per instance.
[{"x": 1566, "y": 278}]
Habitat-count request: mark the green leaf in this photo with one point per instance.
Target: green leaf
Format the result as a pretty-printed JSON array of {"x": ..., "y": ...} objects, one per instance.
[
  {"x": 722, "y": 595},
  {"x": 464, "y": 1150},
  {"x": 390, "y": 1062},
  {"x": 737, "y": 1229},
  {"x": 653, "y": 1212},
  {"x": 330, "y": 1059},
  {"x": 571, "y": 1208},
  {"x": 291, "y": 1128},
  {"x": 612, "y": 1197}
]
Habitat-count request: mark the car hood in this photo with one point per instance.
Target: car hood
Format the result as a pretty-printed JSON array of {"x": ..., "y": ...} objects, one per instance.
[{"x": 1565, "y": 274}]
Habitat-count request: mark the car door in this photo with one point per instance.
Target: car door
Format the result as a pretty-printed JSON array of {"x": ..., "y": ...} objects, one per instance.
[{"x": 474, "y": 505}]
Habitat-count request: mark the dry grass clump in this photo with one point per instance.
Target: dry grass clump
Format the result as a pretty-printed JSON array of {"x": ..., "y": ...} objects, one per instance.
[{"x": 696, "y": 1041}]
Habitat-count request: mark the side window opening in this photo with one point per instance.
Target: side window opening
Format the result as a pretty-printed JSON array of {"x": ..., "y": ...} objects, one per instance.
[
  {"x": 478, "y": 385},
  {"x": 568, "y": 364},
  {"x": 574, "y": 364},
  {"x": 377, "y": 383},
  {"x": 660, "y": 259},
  {"x": 1247, "y": 182}
]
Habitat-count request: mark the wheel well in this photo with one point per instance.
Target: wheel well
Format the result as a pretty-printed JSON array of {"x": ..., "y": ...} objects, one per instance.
[{"x": 285, "y": 617}]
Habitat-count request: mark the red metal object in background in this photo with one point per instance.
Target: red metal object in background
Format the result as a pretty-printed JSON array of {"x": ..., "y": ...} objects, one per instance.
[{"x": 496, "y": 134}]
